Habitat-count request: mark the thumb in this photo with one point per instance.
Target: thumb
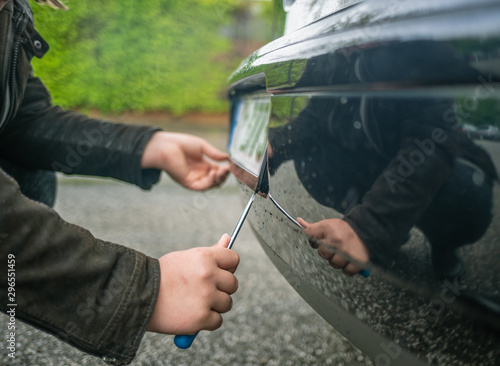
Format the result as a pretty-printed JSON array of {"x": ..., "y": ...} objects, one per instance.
[
  {"x": 213, "y": 153},
  {"x": 307, "y": 227},
  {"x": 303, "y": 222},
  {"x": 223, "y": 241}
]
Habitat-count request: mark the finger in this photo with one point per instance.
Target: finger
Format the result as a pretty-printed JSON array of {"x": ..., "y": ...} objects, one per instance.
[
  {"x": 303, "y": 222},
  {"x": 214, "y": 177},
  {"x": 222, "y": 303},
  {"x": 221, "y": 175},
  {"x": 213, "y": 153},
  {"x": 226, "y": 259},
  {"x": 316, "y": 230},
  {"x": 223, "y": 241},
  {"x": 205, "y": 182},
  {"x": 313, "y": 244},
  {"x": 214, "y": 321},
  {"x": 338, "y": 262},
  {"x": 307, "y": 225},
  {"x": 325, "y": 253},
  {"x": 227, "y": 282},
  {"x": 351, "y": 269}
]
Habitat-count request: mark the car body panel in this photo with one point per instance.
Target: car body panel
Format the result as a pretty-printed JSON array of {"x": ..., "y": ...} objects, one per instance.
[{"x": 338, "y": 94}]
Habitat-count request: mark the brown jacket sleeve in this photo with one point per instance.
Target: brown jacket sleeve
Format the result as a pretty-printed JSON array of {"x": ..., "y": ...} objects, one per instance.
[{"x": 95, "y": 295}]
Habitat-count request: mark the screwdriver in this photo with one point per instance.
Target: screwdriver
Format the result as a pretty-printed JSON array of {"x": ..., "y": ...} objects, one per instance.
[
  {"x": 262, "y": 188},
  {"x": 185, "y": 341}
]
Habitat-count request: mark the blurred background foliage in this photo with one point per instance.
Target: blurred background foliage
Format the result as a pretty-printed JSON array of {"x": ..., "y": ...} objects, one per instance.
[{"x": 149, "y": 55}]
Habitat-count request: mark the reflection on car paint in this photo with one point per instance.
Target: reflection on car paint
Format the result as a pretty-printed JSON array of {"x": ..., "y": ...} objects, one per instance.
[
  {"x": 400, "y": 159},
  {"x": 385, "y": 126}
]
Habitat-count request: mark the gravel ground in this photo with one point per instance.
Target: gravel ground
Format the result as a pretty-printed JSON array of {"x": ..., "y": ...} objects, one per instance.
[{"x": 269, "y": 324}]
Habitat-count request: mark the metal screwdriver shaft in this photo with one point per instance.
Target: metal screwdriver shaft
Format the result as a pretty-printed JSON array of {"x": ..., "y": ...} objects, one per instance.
[
  {"x": 262, "y": 188},
  {"x": 185, "y": 341},
  {"x": 241, "y": 221}
]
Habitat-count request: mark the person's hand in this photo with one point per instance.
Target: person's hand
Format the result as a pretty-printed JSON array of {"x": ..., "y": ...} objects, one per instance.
[
  {"x": 340, "y": 236},
  {"x": 188, "y": 159},
  {"x": 195, "y": 288}
]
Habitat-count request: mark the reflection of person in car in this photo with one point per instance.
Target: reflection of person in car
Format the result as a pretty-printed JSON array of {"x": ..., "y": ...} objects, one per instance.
[{"x": 388, "y": 164}]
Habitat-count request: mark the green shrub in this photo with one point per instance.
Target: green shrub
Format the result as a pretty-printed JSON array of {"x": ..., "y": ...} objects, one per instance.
[{"x": 118, "y": 55}]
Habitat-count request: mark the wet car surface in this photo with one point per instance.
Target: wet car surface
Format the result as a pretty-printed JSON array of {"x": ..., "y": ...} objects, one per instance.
[{"x": 360, "y": 107}]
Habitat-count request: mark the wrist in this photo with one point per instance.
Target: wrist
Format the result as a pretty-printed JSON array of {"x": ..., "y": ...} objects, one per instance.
[{"x": 151, "y": 156}]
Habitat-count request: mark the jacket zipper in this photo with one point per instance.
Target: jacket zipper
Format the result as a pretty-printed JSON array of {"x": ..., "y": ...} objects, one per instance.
[{"x": 10, "y": 80}]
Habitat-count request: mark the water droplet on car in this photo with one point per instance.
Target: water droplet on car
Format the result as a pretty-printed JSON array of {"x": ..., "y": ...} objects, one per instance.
[{"x": 478, "y": 178}]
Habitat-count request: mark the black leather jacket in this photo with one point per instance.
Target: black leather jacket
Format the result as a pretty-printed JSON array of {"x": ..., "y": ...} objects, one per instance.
[{"x": 95, "y": 295}]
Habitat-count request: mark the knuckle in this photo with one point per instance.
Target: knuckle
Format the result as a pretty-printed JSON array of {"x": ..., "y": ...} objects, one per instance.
[
  {"x": 227, "y": 304},
  {"x": 216, "y": 323},
  {"x": 206, "y": 294},
  {"x": 335, "y": 265},
  {"x": 325, "y": 253},
  {"x": 204, "y": 273},
  {"x": 204, "y": 315},
  {"x": 236, "y": 258},
  {"x": 236, "y": 285},
  {"x": 350, "y": 269},
  {"x": 219, "y": 323}
]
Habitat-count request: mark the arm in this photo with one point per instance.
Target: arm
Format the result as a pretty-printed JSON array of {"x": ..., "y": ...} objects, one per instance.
[
  {"x": 101, "y": 297},
  {"x": 398, "y": 198},
  {"x": 44, "y": 136},
  {"x": 377, "y": 227},
  {"x": 95, "y": 295}
]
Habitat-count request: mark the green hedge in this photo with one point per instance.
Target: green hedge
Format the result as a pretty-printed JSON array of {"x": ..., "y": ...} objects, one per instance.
[{"x": 117, "y": 55}]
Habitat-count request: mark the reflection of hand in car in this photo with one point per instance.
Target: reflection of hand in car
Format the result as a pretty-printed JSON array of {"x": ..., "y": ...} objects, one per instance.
[{"x": 340, "y": 236}]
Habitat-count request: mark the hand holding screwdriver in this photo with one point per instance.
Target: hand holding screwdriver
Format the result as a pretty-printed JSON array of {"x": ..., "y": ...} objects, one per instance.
[
  {"x": 185, "y": 341},
  {"x": 195, "y": 288}
]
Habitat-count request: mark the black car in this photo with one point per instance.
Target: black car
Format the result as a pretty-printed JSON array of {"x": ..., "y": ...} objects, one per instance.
[{"x": 356, "y": 115}]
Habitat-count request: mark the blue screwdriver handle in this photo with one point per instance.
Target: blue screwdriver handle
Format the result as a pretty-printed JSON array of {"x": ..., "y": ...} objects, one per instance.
[
  {"x": 184, "y": 341},
  {"x": 365, "y": 272}
]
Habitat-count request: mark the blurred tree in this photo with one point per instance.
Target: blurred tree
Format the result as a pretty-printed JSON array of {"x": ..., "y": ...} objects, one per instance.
[{"x": 118, "y": 55}]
